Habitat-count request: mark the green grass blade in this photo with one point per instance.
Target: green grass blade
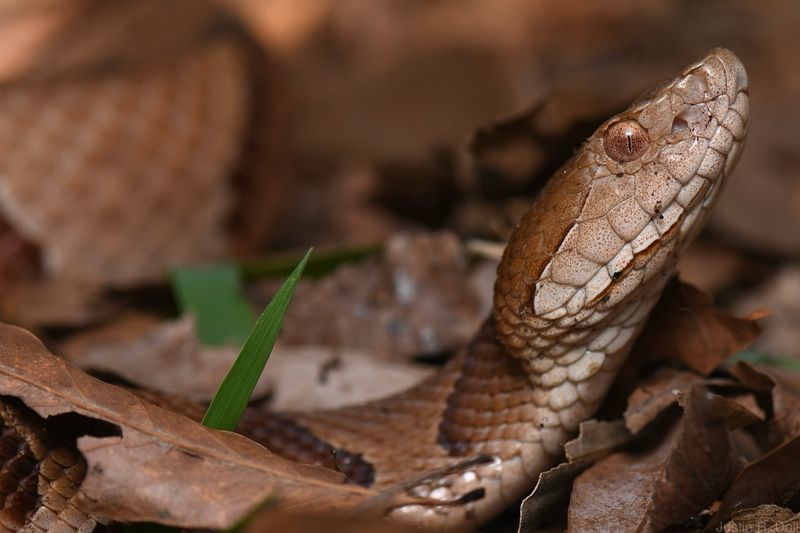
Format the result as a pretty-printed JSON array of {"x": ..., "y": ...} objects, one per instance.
[
  {"x": 147, "y": 527},
  {"x": 233, "y": 394},
  {"x": 241, "y": 525},
  {"x": 324, "y": 262},
  {"x": 214, "y": 295},
  {"x": 758, "y": 358}
]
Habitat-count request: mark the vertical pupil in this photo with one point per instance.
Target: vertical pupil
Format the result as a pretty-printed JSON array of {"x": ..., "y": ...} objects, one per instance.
[{"x": 625, "y": 141}]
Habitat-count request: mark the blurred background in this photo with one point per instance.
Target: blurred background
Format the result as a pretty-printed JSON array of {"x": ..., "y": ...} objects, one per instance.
[{"x": 139, "y": 135}]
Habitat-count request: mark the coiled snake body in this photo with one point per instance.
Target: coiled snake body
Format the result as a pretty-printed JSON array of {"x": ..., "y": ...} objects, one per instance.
[{"x": 576, "y": 283}]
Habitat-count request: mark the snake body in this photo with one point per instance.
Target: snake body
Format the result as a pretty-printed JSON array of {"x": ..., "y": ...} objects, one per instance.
[{"x": 576, "y": 283}]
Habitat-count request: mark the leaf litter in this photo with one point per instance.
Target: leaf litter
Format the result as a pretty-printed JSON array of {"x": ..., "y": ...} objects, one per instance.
[
  {"x": 691, "y": 431},
  {"x": 662, "y": 463},
  {"x": 665, "y": 468},
  {"x": 342, "y": 54},
  {"x": 162, "y": 467}
]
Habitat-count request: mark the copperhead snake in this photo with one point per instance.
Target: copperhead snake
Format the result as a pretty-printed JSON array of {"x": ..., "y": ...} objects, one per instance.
[{"x": 576, "y": 283}]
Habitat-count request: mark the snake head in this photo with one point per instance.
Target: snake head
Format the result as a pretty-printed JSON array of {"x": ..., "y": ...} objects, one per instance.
[
  {"x": 682, "y": 138},
  {"x": 608, "y": 226}
]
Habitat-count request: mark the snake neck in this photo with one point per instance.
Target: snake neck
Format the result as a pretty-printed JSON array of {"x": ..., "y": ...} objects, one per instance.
[
  {"x": 555, "y": 390},
  {"x": 571, "y": 339}
]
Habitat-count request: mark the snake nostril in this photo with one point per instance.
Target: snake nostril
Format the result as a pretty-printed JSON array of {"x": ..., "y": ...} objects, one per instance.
[{"x": 679, "y": 125}]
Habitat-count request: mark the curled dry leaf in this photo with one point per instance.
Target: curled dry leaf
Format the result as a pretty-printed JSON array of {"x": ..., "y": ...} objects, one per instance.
[
  {"x": 652, "y": 489},
  {"x": 656, "y": 394},
  {"x": 418, "y": 298},
  {"x": 778, "y": 394},
  {"x": 669, "y": 385},
  {"x": 775, "y": 478},
  {"x": 686, "y": 326},
  {"x": 595, "y": 440},
  {"x": 163, "y": 467},
  {"x": 738, "y": 411},
  {"x": 514, "y": 156},
  {"x": 549, "y": 496},
  {"x": 786, "y": 402}
]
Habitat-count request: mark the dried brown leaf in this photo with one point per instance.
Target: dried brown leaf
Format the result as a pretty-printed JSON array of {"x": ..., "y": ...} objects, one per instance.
[
  {"x": 614, "y": 494},
  {"x": 775, "y": 479},
  {"x": 652, "y": 489},
  {"x": 779, "y": 396},
  {"x": 168, "y": 357},
  {"x": 656, "y": 394},
  {"x": 164, "y": 467},
  {"x": 272, "y": 521},
  {"x": 786, "y": 402},
  {"x": 317, "y": 377},
  {"x": 701, "y": 465},
  {"x": 738, "y": 411},
  {"x": 549, "y": 496},
  {"x": 164, "y": 356},
  {"x": 751, "y": 377},
  {"x": 54, "y": 302},
  {"x": 595, "y": 440},
  {"x": 686, "y": 326},
  {"x": 417, "y": 298},
  {"x": 669, "y": 385}
]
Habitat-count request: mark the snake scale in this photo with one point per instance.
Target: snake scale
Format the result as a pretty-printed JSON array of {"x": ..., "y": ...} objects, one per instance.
[{"x": 576, "y": 283}]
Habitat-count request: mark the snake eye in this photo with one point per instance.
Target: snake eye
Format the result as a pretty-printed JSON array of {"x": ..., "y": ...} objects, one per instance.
[{"x": 625, "y": 141}]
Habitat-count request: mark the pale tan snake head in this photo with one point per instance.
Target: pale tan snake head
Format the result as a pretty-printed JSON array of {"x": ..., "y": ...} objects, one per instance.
[{"x": 617, "y": 214}]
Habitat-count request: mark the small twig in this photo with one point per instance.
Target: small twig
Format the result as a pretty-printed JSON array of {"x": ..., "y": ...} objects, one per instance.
[{"x": 486, "y": 249}]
